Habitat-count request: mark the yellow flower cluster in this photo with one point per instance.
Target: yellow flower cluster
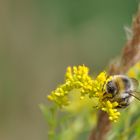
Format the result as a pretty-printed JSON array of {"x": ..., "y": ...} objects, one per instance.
[
  {"x": 79, "y": 78},
  {"x": 75, "y": 78},
  {"x": 110, "y": 109}
]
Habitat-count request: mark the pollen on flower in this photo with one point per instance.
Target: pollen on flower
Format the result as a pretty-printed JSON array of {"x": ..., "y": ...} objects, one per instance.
[{"x": 78, "y": 78}]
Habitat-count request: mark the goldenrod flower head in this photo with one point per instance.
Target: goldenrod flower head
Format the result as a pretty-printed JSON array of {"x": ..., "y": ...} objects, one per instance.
[
  {"x": 94, "y": 89},
  {"x": 110, "y": 109}
]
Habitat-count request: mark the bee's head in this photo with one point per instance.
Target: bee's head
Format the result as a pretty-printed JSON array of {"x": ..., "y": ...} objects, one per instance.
[{"x": 111, "y": 87}]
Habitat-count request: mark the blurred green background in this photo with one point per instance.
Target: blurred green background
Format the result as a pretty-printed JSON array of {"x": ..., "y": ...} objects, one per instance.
[{"x": 38, "y": 40}]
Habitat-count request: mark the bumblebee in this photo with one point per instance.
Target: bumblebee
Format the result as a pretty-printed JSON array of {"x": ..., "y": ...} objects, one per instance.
[{"x": 122, "y": 90}]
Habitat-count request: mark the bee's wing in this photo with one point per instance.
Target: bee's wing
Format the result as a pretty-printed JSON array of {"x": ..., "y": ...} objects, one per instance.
[
  {"x": 135, "y": 93},
  {"x": 135, "y": 83}
]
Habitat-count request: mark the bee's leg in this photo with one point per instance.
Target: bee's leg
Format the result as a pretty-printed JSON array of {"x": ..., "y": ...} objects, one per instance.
[
  {"x": 107, "y": 96},
  {"x": 124, "y": 102},
  {"x": 122, "y": 105},
  {"x": 119, "y": 106}
]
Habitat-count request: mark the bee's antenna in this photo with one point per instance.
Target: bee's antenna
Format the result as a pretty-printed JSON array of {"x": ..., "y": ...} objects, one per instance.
[{"x": 135, "y": 96}]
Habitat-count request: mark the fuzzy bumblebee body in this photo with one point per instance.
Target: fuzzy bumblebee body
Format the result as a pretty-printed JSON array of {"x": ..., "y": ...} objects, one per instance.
[{"x": 122, "y": 90}]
